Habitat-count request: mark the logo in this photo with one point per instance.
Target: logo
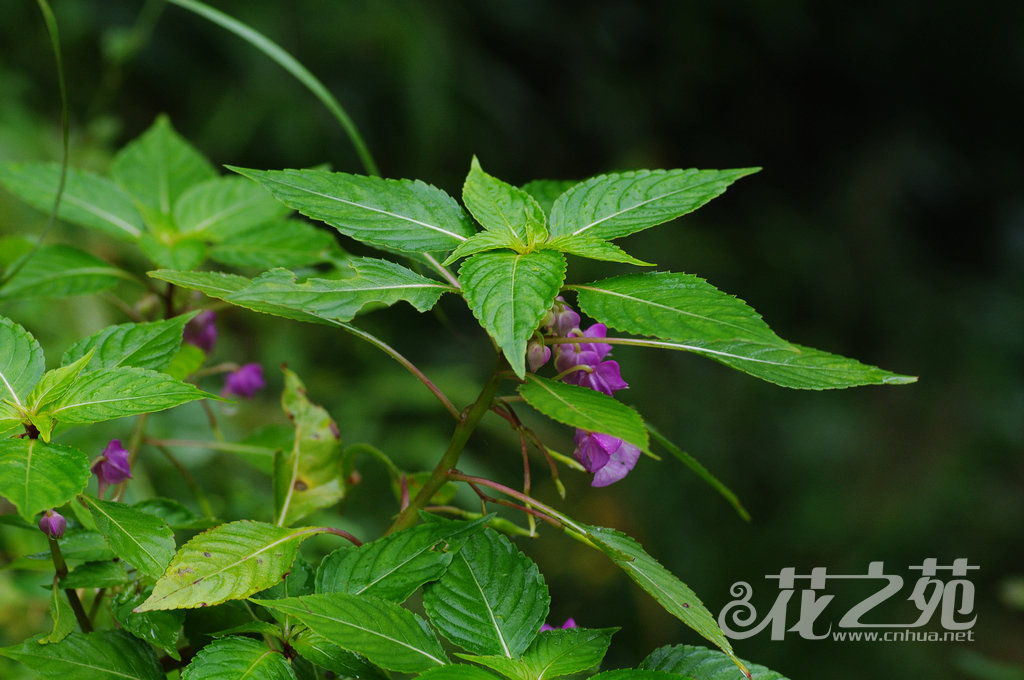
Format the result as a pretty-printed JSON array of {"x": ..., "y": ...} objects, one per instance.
[{"x": 938, "y": 590}]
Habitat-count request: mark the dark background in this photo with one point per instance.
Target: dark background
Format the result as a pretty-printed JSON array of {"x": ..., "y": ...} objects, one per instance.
[{"x": 887, "y": 225}]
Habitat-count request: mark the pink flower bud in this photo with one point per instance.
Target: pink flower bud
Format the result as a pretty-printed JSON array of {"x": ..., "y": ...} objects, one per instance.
[{"x": 53, "y": 524}]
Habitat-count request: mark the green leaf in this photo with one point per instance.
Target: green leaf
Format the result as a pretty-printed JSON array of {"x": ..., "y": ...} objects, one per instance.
[
  {"x": 478, "y": 243},
  {"x": 38, "y": 476},
  {"x": 109, "y": 393},
  {"x": 308, "y": 476},
  {"x": 382, "y": 631},
  {"x": 185, "y": 362},
  {"x": 161, "y": 628},
  {"x": 585, "y": 409},
  {"x": 233, "y": 658},
  {"x": 593, "y": 248},
  {"x": 173, "y": 252},
  {"x": 492, "y": 599},
  {"x": 503, "y": 209},
  {"x": 701, "y": 662},
  {"x": 457, "y": 672},
  {"x": 140, "y": 538},
  {"x": 282, "y": 243},
  {"x": 672, "y": 306},
  {"x": 21, "y": 365},
  {"x": 104, "y": 574},
  {"x": 394, "y": 566},
  {"x": 316, "y": 649},
  {"x": 103, "y": 655},
  {"x": 54, "y": 384},
  {"x": 375, "y": 281},
  {"x": 509, "y": 294},
  {"x": 59, "y": 271},
  {"x": 407, "y": 216},
  {"x": 88, "y": 199},
  {"x": 671, "y": 593},
  {"x": 634, "y": 674},
  {"x": 553, "y": 653},
  {"x": 791, "y": 366},
  {"x": 176, "y": 515},
  {"x": 546, "y": 191},
  {"x": 222, "y": 207},
  {"x": 62, "y": 615},
  {"x": 701, "y": 471},
  {"x": 149, "y": 345},
  {"x": 227, "y": 562},
  {"x": 156, "y": 168},
  {"x": 619, "y": 204}
]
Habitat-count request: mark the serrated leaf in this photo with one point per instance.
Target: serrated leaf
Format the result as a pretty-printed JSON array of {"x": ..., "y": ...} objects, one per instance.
[
  {"x": 457, "y": 672},
  {"x": 103, "y": 655},
  {"x": 109, "y": 393},
  {"x": 185, "y": 362},
  {"x": 509, "y": 294},
  {"x": 228, "y": 562},
  {"x": 149, "y": 345},
  {"x": 792, "y": 365},
  {"x": 672, "y": 594},
  {"x": 507, "y": 211},
  {"x": 619, "y": 204},
  {"x": 160, "y": 628},
  {"x": 375, "y": 281},
  {"x": 38, "y": 476},
  {"x": 478, "y": 243},
  {"x": 701, "y": 662},
  {"x": 382, "y": 631},
  {"x": 546, "y": 191},
  {"x": 594, "y": 249},
  {"x": 156, "y": 168},
  {"x": 491, "y": 600},
  {"x": 673, "y": 306},
  {"x": 404, "y": 215},
  {"x": 281, "y": 243},
  {"x": 233, "y": 658},
  {"x": 176, "y": 515},
  {"x": 394, "y": 566},
  {"x": 143, "y": 540},
  {"x": 308, "y": 476},
  {"x": 62, "y": 615},
  {"x": 316, "y": 649},
  {"x": 585, "y": 409},
  {"x": 59, "y": 271},
  {"x": 88, "y": 200},
  {"x": 553, "y": 653},
  {"x": 222, "y": 207},
  {"x": 103, "y": 574},
  {"x": 21, "y": 365}
]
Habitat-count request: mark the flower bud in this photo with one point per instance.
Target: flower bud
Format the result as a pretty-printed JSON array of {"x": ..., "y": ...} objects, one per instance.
[
  {"x": 245, "y": 382},
  {"x": 112, "y": 467},
  {"x": 537, "y": 354},
  {"x": 201, "y": 331},
  {"x": 53, "y": 524}
]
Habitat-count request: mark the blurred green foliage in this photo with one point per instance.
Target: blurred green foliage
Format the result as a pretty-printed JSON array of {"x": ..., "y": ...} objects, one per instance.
[{"x": 888, "y": 225}]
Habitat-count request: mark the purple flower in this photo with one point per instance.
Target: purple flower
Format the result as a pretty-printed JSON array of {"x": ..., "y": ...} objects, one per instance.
[
  {"x": 604, "y": 377},
  {"x": 607, "y": 457},
  {"x": 598, "y": 375},
  {"x": 112, "y": 467},
  {"x": 245, "y": 382},
  {"x": 53, "y": 524},
  {"x": 537, "y": 354},
  {"x": 561, "y": 319},
  {"x": 569, "y": 623},
  {"x": 201, "y": 331}
]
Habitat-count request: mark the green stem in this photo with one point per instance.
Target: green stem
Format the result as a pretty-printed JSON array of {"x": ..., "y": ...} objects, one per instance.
[
  {"x": 467, "y": 423},
  {"x": 61, "y": 568},
  {"x": 204, "y": 504}
]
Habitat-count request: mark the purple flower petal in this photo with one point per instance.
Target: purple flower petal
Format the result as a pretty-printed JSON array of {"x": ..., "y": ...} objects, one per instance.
[
  {"x": 53, "y": 524},
  {"x": 621, "y": 461},
  {"x": 605, "y": 377},
  {"x": 201, "y": 331},
  {"x": 112, "y": 467},
  {"x": 245, "y": 382},
  {"x": 537, "y": 354},
  {"x": 593, "y": 449},
  {"x": 598, "y": 330}
]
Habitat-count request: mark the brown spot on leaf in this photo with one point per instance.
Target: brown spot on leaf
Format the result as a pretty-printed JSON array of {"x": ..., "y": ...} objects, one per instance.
[
  {"x": 300, "y": 485},
  {"x": 206, "y": 554}
]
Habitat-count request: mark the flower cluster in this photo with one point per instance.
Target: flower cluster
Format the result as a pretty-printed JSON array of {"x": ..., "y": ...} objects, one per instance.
[{"x": 586, "y": 364}]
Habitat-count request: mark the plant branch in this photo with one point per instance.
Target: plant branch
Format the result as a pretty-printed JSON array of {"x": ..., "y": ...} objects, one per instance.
[
  {"x": 467, "y": 423},
  {"x": 61, "y": 569}
]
